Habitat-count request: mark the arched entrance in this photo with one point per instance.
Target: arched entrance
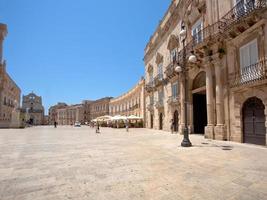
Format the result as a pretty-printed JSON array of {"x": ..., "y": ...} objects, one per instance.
[
  {"x": 176, "y": 121},
  {"x": 254, "y": 130},
  {"x": 199, "y": 103},
  {"x": 151, "y": 121},
  {"x": 160, "y": 121}
]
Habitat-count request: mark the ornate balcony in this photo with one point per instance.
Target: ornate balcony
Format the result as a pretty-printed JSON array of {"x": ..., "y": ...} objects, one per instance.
[
  {"x": 173, "y": 101},
  {"x": 159, "y": 104},
  {"x": 159, "y": 80},
  {"x": 252, "y": 74},
  {"x": 150, "y": 86},
  {"x": 170, "y": 70},
  {"x": 242, "y": 16},
  {"x": 150, "y": 107}
]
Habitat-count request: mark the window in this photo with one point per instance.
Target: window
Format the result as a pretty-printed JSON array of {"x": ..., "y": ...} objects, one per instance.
[
  {"x": 160, "y": 70},
  {"x": 196, "y": 34},
  {"x": 175, "y": 90},
  {"x": 150, "y": 77},
  {"x": 161, "y": 96},
  {"x": 173, "y": 55},
  {"x": 151, "y": 99},
  {"x": 248, "y": 60}
]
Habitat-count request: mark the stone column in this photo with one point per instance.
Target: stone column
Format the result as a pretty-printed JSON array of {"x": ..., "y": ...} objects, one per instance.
[
  {"x": 220, "y": 130},
  {"x": 209, "y": 129}
]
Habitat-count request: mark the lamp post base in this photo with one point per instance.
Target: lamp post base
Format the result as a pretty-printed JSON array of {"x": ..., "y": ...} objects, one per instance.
[{"x": 186, "y": 143}]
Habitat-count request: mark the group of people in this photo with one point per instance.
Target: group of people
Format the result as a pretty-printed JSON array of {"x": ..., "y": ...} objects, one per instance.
[{"x": 97, "y": 126}]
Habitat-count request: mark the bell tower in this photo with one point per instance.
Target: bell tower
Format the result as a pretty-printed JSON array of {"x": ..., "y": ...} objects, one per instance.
[{"x": 3, "y": 33}]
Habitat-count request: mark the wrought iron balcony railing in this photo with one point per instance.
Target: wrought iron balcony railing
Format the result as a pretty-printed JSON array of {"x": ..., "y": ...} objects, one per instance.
[
  {"x": 237, "y": 14},
  {"x": 250, "y": 74},
  {"x": 242, "y": 10},
  {"x": 150, "y": 86},
  {"x": 173, "y": 100},
  {"x": 159, "y": 104},
  {"x": 158, "y": 80},
  {"x": 170, "y": 70},
  {"x": 150, "y": 106}
]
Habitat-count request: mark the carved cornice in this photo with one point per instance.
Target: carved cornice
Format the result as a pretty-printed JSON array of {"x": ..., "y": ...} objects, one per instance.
[{"x": 170, "y": 20}]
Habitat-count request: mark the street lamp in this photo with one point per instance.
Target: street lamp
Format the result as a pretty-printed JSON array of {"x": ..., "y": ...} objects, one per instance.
[{"x": 183, "y": 70}]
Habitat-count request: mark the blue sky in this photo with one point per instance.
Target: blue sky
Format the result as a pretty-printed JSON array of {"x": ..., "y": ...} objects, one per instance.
[{"x": 68, "y": 51}]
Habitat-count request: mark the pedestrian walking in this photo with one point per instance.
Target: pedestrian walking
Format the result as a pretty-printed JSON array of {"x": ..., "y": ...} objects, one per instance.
[
  {"x": 127, "y": 125},
  {"x": 97, "y": 128},
  {"x": 55, "y": 124}
]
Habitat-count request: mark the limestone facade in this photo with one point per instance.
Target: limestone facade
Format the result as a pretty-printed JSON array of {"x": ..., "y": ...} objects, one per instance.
[
  {"x": 87, "y": 110},
  {"x": 70, "y": 114},
  {"x": 226, "y": 86},
  {"x": 99, "y": 107},
  {"x": 53, "y": 112},
  {"x": 130, "y": 103},
  {"x": 9, "y": 92},
  {"x": 33, "y": 109}
]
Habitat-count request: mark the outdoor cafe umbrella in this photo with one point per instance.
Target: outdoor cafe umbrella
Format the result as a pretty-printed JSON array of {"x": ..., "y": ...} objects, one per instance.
[{"x": 133, "y": 117}]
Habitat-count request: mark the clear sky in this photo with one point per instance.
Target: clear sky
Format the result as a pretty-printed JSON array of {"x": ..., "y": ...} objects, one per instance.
[{"x": 72, "y": 50}]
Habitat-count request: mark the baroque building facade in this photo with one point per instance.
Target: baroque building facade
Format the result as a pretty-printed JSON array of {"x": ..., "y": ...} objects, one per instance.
[
  {"x": 226, "y": 86},
  {"x": 87, "y": 111},
  {"x": 99, "y": 107},
  {"x": 33, "y": 109},
  {"x": 130, "y": 103},
  {"x": 9, "y": 92},
  {"x": 52, "y": 112},
  {"x": 68, "y": 115}
]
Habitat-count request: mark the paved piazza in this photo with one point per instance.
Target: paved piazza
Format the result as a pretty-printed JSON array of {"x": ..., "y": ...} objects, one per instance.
[{"x": 75, "y": 163}]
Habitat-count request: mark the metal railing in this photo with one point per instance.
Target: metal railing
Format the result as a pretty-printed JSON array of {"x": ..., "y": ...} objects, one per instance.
[
  {"x": 241, "y": 10},
  {"x": 159, "y": 104},
  {"x": 250, "y": 74},
  {"x": 150, "y": 85},
  {"x": 158, "y": 80},
  {"x": 173, "y": 99},
  {"x": 235, "y": 15},
  {"x": 150, "y": 106},
  {"x": 170, "y": 70}
]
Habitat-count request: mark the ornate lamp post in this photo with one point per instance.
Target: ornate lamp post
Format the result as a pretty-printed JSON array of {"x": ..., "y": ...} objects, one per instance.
[{"x": 183, "y": 71}]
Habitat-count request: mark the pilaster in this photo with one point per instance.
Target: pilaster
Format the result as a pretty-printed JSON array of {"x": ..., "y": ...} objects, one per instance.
[{"x": 209, "y": 129}]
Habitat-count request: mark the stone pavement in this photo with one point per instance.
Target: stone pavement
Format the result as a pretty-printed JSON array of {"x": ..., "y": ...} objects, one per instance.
[{"x": 75, "y": 163}]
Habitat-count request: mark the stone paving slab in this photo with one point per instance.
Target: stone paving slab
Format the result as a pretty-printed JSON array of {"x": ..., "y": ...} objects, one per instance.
[{"x": 44, "y": 163}]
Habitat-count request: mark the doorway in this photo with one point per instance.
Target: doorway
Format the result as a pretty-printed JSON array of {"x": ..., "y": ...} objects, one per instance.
[
  {"x": 176, "y": 121},
  {"x": 160, "y": 121},
  {"x": 199, "y": 103},
  {"x": 200, "y": 113},
  {"x": 151, "y": 121},
  {"x": 254, "y": 130}
]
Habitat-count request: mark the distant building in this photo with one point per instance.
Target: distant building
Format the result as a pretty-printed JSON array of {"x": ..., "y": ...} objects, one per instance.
[
  {"x": 99, "y": 107},
  {"x": 9, "y": 92},
  {"x": 53, "y": 112},
  {"x": 130, "y": 103},
  {"x": 70, "y": 114},
  {"x": 46, "y": 120},
  {"x": 87, "y": 111},
  {"x": 33, "y": 109}
]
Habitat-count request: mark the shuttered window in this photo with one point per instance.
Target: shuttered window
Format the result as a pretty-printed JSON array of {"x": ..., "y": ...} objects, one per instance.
[
  {"x": 160, "y": 70},
  {"x": 248, "y": 59},
  {"x": 197, "y": 35},
  {"x": 175, "y": 90}
]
